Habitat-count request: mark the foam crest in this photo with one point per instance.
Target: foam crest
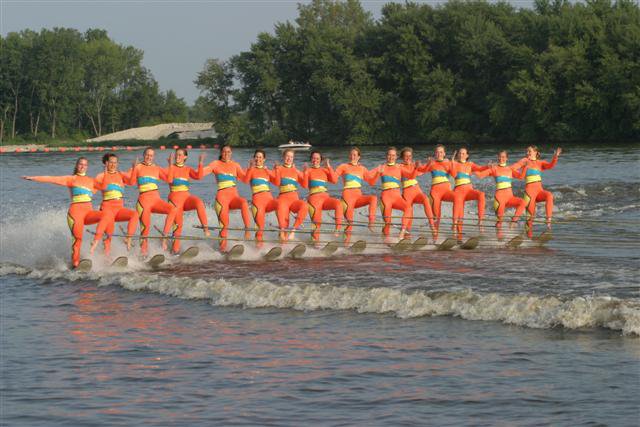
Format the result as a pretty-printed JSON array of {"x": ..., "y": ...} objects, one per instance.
[{"x": 520, "y": 309}]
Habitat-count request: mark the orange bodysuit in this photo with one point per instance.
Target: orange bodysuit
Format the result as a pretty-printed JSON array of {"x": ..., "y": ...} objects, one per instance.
[
  {"x": 148, "y": 177},
  {"x": 440, "y": 186},
  {"x": 227, "y": 198},
  {"x": 178, "y": 178},
  {"x": 353, "y": 176},
  {"x": 316, "y": 180},
  {"x": 112, "y": 186},
  {"x": 413, "y": 194},
  {"x": 463, "y": 191},
  {"x": 391, "y": 197},
  {"x": 533, "y": 191},
  {"x": 289, "y": 179},
  {"x": 81, "y": 213},
  {"x": 504, "y": 197},
  {"x": 262, "y": 200}
]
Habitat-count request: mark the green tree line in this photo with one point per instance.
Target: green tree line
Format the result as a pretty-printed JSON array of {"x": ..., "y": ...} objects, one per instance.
[
  {"x": 457, "y": 72},
  {"x": 61, "y": 83}
]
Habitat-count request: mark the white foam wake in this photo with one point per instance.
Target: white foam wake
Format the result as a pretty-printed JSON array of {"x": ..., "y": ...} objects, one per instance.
[
  {"x": 520, "y": 309},
  {"x": 528, "y": 310}
]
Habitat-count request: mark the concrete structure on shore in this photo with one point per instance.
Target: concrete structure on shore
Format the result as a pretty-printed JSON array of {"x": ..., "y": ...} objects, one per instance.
[{"x": 150, "y": 133}]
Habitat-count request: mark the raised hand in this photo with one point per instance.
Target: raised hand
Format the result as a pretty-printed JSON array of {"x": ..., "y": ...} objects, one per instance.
[
  {"x": 170, "y": 159},
  {"x": 558, "y": 152},
  {"x": 327, "y": 163},
  {"x": 201, "y": 157},
  {"x": 453, "y": 157},
  {"x": 135, "y": 162}
]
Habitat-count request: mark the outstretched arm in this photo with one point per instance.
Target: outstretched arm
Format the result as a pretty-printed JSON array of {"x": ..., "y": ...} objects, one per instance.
[
  {"x": 554, "y": 160},
  {"x": 65, "y": 181}
]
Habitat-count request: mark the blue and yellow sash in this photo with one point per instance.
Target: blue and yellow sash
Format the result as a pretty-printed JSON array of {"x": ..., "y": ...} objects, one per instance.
[
  {"x": 462, "y": 179},
  {"x": 352, "y": 181},
  {"x": 317, "y": 186},
  {"x": 259, "y": 185},
  {"x": 226, "y": 181},
  {"x": 533, "y": 175},
  {"x": 438, "y": 177},
  {"x": 288, "y": 185},
  {"x": 147, "y": 183},
  {"x": 179, "y": 184},
  {"x": 113, "y": 192},
  {"x": 389, "y": 182},
  {"x": 80, "y": 194},
  {"x": 503, "y": 182}
]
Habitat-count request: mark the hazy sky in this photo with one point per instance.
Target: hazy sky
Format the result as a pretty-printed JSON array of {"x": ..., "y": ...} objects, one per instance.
[{"x": 176, "y": 36}]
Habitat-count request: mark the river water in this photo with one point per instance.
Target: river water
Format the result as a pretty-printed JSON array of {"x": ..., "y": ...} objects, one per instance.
[{"x": 537, "y": 335}]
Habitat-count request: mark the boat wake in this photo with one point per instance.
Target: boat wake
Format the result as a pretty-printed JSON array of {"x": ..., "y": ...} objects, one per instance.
[{"x": 522, "y": 309}]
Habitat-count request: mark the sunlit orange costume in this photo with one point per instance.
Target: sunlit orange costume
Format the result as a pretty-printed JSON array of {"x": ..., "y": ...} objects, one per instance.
[
  {"x": 391, "y": 197},
  {"x": 504, "y": 198},
  {"x": 262, "y": 200},
  {"x": 412, "y": 193},
  {"x": 353, "y": 176},
  {"x": 227, "y": 198},
  {"x": 148, "y": 177},
  {"x": 179, "y": 177},
  {"x": 81, "y": 213},
  {"x": 288, "y": 178},
  {"x": 464, "y": 191},
  {"x": 440, "y": 186},
  {"x": 533, "y": 191},
  {"x": 316, "y": 180},
  {"x": 112, "y": 186}
]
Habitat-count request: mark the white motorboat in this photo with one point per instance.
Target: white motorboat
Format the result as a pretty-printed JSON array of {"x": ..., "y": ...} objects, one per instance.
[{"x": 295, "y": 145}]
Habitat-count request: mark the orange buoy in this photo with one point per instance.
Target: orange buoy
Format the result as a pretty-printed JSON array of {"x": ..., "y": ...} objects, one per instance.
[
  {"x": 129, "y": 148},
  {"x": 45, "y": 149},
  {"x": 162, "y": 147}
]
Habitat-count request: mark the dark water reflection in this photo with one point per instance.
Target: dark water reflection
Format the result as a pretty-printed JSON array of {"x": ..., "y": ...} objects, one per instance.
[{"x": 84, "y": 355}]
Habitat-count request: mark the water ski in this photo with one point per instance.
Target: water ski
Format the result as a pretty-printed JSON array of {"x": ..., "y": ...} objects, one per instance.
[
  {"x": 471, "y": 243},
  {"x": 297, "y": 251},
  {"x": 543, "y": 238},
  {"x": 234, "y": 253},
  {"x": 514, "y": 242},
  {"x": 84, "y": 265},
  {"x": 402, "y": 246},
  {"x": 155, "y": 261},
  {"x": 358, "y": 247},
  {"x": 273, "y": 254},
  {"x": 120, "y": 262},
  {"x": 329, "y": 249},
  {"x": 419, "y": 243},
  {"x": 191, "y": 252},
  {"x": 447, "y": 244}
]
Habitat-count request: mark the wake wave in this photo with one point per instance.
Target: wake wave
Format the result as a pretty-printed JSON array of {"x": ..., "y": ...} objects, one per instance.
[{"x": 520, "y": 309}]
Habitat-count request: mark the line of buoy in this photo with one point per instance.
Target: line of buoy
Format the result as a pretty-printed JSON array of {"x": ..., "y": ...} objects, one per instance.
[{"x": 19, "y": 150}]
